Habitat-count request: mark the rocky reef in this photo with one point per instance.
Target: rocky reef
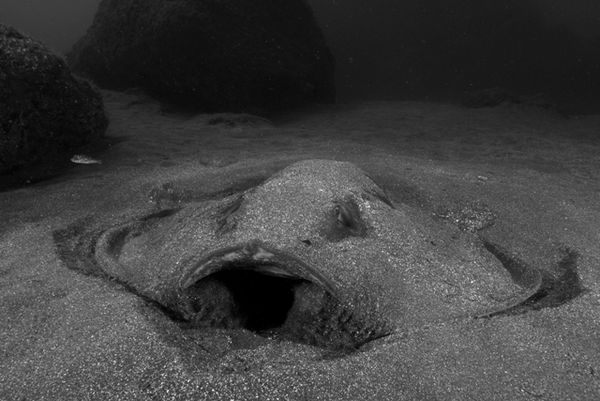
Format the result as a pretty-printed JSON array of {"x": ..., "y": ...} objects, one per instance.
[
  {"x": 45, "y": 111},
  {"x": 232, "y": 55}
]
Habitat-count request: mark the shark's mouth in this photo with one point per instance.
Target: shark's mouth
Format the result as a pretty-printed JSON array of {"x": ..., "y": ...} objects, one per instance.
[{"x": 272, "y": 294}]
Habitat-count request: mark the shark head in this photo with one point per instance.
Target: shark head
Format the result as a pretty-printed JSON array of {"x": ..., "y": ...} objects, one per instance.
[{"x": 317, "y": 253}]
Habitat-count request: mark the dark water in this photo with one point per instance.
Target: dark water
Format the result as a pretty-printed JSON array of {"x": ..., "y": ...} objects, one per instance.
[
  {"x": 440, "y": 48},
  {"x": 425, "y": 49}
]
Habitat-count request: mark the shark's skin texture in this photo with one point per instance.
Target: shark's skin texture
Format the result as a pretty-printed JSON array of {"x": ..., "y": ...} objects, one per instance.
[{"x": 375, "y": 265}]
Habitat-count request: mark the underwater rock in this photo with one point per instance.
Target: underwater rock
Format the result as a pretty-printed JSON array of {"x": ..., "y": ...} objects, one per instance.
[
  {"x": 234, "y": 55},
  {"x": 315, "y": 254},
  {"x": 45, "y": 111}
]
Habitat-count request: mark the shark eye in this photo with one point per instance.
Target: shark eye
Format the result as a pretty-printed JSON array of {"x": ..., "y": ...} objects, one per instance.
[
  {"x": 226, "y": 221},
  {"x": 343, "y": 217},
  {"x": 345, "y": 222}
]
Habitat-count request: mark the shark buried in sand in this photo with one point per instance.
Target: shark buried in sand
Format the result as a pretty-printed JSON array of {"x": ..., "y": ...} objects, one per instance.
[{"x": 315, "y": 254}]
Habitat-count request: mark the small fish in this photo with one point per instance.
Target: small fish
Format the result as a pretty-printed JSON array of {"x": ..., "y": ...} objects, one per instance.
[{"x": 83, "y": 159}]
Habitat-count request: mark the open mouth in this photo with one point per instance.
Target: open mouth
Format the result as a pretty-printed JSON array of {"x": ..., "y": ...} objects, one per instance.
[{"x": 272, "y": 294}]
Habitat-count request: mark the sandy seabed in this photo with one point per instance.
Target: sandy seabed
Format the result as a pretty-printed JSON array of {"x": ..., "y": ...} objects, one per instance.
[{"x": 68, "y": 336}]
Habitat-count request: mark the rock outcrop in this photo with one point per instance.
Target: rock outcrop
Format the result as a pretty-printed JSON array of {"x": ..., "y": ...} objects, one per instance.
[
  {"x": 45, "y": 111},
  {"x": 213, "y": 55}
]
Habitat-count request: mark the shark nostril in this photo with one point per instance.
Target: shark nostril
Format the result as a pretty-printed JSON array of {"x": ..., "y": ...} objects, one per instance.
[{"x": 306, "y": 241}]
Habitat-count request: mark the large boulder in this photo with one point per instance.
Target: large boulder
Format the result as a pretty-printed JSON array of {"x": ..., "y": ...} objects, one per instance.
[
  {"x": 215, "y": 55},
  {"x": 45, "y": 111}
]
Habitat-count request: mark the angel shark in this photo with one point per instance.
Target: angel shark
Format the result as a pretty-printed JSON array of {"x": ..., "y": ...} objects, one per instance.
[{"x": 316, "y": 254}]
